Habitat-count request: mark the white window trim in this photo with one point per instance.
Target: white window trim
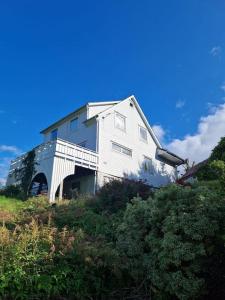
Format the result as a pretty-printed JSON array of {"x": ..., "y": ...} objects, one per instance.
[
  {"x": 122, "y": 147},
  {"x": 139, "y": 132},
  {"x": 125, "y": 127}
]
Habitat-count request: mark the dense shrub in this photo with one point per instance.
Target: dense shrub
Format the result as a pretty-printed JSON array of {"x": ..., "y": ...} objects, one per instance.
[
  {"x": 115, "y": 194},
  {"x": 11, "y": 191},
  {"x": 172, "y": 241}
]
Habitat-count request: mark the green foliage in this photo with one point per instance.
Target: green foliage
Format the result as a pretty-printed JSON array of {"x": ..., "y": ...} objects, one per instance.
[
  {"x": 115, "y": 195},
  {"x": 11, "y": 191},
  {"x": 215, "y": 167},
  {"x": 25, "y": 173},
  {"x": 10, "y": 204},
  {"x": 171, "y": 239},
  {"x": 218, "y": 152},
  {"x": 167, "y": 246}
]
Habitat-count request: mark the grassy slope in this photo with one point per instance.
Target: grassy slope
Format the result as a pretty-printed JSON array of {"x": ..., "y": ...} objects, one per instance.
[{"x": 10, "y": 205}]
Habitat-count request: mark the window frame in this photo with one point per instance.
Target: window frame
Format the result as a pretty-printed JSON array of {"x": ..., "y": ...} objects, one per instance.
[
  {"x": 140, "y": 137},
  {"x": 121, "y": 116},
  {"x": 148, "y": 160},
  {"x": 121, "y": 149}
]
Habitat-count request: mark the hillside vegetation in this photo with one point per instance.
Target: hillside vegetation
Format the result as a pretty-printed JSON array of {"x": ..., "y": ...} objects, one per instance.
[{"x": 125, "y": 243}]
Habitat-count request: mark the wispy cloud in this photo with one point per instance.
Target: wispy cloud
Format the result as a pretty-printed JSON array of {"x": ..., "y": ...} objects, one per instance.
[
  {"x": 216, "y": 51},
  {"x": 223, "y": 86},
  {"x": 10, "y": 149},
  {"x": 159, "y": 132},
  {"x": 180, "y": 103}
]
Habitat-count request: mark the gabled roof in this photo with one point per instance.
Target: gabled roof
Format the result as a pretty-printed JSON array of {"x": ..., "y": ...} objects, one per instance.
[{"x": 69, "y": 116}]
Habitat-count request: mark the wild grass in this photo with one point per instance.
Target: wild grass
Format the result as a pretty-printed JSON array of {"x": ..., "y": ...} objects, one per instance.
[{"x": 10, "y": 205}]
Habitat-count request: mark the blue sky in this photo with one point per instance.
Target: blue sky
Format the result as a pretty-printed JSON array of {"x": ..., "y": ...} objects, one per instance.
[{"x": 58, "y": 55}]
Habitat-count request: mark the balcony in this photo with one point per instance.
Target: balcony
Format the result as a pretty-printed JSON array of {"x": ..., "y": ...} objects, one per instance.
[{"x": 81, "y": 156}]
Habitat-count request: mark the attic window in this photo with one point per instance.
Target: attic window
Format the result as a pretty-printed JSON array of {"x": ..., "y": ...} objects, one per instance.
[
  {"x": 120, "y": 121},
  {"x": 143, "y": 134},
  {"x": 131, "y": 104}
]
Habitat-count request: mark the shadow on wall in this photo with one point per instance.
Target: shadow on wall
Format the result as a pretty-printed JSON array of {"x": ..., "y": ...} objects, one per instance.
[{"x": 152, "y": 174}]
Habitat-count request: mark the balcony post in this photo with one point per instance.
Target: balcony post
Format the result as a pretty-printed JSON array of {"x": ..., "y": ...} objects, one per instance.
[{"x": 61, "y": 190}]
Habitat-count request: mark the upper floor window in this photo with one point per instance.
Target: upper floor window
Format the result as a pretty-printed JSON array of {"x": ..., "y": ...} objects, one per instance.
[
  {"x": 120, "y": 121},
  {"x": 121, "y": 149},
  {"x": 143, "y": 134},
  {"x": 74, "y": 124},
  {"x": 54, "y": 134}
]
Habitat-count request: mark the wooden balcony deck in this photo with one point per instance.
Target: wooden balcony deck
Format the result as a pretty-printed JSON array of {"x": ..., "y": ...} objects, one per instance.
[{"x": 81, "y": 156}]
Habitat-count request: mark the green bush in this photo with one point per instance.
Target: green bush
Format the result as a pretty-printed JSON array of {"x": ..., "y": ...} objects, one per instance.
[
  {"x": 11, "y": 191},
  {"x": 115, "y": 195},
  {"x": 171, "y": 241}
]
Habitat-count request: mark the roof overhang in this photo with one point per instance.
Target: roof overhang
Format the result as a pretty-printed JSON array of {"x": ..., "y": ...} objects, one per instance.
[{"x": 169, "y": 157}]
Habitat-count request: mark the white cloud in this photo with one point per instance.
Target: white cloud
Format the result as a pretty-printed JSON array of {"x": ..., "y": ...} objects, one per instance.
[
  {"x": 4, "y": 169},
  {"x": 216, "y": 51},
  {"x": 223, "y": 87},
  {"x": 10, "y": 152},
  {"x": 180, "y": 104},
  {"x": 2, "y": 181},
  {"x": 10, "y": 149},
  {"x": 198, "y": 146},
  {"x": 159, "y": 132}
]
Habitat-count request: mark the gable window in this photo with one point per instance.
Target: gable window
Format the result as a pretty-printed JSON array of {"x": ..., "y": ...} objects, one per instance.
[
  {"x": 121, "y": 149},
  {"x": 120, "y": 121},
  {"x": 74, "y": 124},
  {"x": 143, "y": 134},
  {"x": 54, "y": 134}
]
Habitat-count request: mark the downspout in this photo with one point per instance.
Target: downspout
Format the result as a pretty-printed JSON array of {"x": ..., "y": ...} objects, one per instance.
[{"x": 97, "y": 150}]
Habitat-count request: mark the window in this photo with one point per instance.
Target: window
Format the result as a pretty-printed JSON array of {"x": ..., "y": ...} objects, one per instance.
[
  {"x": 54, "y": 134},
  {"x": 74, "y": 124},
  {"x": 121, "y": 149},
  {"x": 120, "y": 121},
  {"x": 148, "y": 165},
  {"x": 143, "y": 134}
]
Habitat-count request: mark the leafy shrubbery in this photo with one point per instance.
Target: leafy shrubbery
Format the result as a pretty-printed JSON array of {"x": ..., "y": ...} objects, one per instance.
[
  {"x": 115, "y": 195},
  {"x": 126, "y": 243},
  {"x": 169, "y": 246}
]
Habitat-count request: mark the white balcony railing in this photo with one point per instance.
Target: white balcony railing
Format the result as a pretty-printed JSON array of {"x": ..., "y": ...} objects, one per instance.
[{"x": 79, "y": 155}]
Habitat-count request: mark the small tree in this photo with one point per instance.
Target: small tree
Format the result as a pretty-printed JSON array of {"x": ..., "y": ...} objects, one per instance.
[
  {"x": 25, "y": 173},
  {"x": 215, "y": 168}
]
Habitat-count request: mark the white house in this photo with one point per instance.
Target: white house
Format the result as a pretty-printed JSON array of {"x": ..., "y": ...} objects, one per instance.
[{"x": 96, "y": 143}]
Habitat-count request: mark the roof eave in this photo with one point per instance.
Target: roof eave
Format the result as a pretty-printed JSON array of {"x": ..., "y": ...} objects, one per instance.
[{"x": 170, "y": 157}]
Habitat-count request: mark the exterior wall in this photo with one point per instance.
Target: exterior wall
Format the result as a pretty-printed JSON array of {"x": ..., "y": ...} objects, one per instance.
[
  {"x": 84, "y": 133},
  {"x": 93, "y": 110},
  {"x": 118, "y": 164},
  {"x": 99, "y": 135}
]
